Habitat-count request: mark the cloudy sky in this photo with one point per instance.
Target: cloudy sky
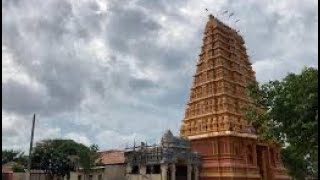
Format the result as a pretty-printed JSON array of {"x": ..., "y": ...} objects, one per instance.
[{"x": 109, "y": 72}]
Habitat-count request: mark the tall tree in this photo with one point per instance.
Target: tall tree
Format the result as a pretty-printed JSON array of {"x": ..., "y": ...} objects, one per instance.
[
  {"x": 59, "y": 156},
  {"x": 286, "y": 111},
  {"x": 88, "y": 159}
]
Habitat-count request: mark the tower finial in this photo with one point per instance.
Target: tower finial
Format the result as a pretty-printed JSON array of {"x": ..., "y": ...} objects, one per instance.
[{"x": 211, "y": 16}]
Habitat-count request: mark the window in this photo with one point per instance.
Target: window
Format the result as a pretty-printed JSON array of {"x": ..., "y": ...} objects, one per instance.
[
  {"x": 100, "y": 177},
  {"x": 221, "y": 147},
  {"x": 205, "y": 40},
  {"x": 135, "y": 170},
  {"x": 249, "y": 154},
  {"x": 149, "y": 169},
  {"x": 211, "y": 52},
  {"x": 90, "y": 177},
  {"x": 272, "y": 157},
  {"x": 156, "y": 169},
  {"x": 79, "y": 177},
  {"x": 236, "y": 149},
  {"x": 213, "y": 148}
]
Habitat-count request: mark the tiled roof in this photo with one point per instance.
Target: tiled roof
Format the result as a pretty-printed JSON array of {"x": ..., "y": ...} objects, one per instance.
[
  {"x": 112, "y": 157},
  {"x": 7, "y": 168}
]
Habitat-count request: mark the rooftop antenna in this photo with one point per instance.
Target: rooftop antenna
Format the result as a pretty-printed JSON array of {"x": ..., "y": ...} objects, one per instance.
[
  {"x": 230, "y": 15},
  {"x": 224, "y": 13},
  {"x": 235, "y": 24},
  {"x": 208, "y": 13}
]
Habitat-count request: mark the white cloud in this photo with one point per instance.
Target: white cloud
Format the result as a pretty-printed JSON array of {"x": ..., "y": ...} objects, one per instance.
[
  {"x": 16, "y": 131},
  {"x": 108, "y": 73},
  {"x": 78, "y": 138},
  {"x": 113, "y": 139}
]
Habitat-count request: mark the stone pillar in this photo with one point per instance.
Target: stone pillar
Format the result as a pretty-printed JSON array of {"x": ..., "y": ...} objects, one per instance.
[
  {"x": 255, "y": 158},
  {"x": 196, "y": 172},
  {"x": 189, "y": 171},
  {"x": 164, "y": 170},
  {"x": 173, "y": 172},
  {"x": 142, "y": 170},
  {"x": 128, "y": 169}
]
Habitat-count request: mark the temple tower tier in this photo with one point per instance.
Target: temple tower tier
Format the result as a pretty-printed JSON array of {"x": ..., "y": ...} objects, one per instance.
[{"x": 214, "y": 119}]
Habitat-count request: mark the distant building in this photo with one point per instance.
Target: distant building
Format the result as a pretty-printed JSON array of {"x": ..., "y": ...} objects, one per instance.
[
  {"x": 111, "y": 166},
  {"x": 9, "y": 174},
  {"x": 7, "y": 167},
  {"x": 171, "y": 160}
]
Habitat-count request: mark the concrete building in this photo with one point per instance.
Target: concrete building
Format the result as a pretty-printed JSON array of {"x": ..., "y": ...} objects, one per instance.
[
  {"x": 111, "y": 167},
  {"x": 214, "y": 119},
  {"x": 171, "y": 160}
]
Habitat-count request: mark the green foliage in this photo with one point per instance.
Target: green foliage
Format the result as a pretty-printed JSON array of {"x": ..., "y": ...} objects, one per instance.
[
  {"x": 14, "y": 156},
  {"x": 299, "y": 166},
  {"x": 58, "y": 157},
  {"x": 18, "y": 168},
  {"x": 88, "y": 158},
  {"x": 9, "y": 155},
  {"x": 287, "y": 112}
]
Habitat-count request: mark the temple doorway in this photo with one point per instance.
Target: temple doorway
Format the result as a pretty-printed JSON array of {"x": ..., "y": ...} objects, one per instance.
[
  {"x": 193, "y": 175},
  {"x": 261, "y": 161},
  {"x": 181, "y": 172},
  {"x": 169, "y": 174}
]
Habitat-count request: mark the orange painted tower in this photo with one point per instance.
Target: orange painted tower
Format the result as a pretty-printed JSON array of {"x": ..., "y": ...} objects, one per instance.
[{"x": 214, "y": 120}]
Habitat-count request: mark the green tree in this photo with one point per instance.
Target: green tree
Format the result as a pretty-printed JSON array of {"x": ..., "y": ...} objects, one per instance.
[
  {"x": 14, "y": 156},
  {"x": 88, "y": 159},
  {"x": 286, "y": 111},
  {"x": 18, "y": 168},
  {"x": 59, "y": 156}
]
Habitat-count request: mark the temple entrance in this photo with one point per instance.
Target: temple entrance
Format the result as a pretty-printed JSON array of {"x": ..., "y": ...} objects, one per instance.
[
  {"x": 181, "y": 172},
  {"x": 261, "y": 161},
  {"x": 193, "y": 175},
  {"x": 169, "y": 174}
]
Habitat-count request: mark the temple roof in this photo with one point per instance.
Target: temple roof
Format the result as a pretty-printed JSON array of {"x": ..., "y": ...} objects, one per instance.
[
  {"x": 168, "y": 136},
  {"x": 171, "y": 150}
]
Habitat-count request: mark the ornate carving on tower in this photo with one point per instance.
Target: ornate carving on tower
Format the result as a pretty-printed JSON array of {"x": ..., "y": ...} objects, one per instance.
[
  {"x": 218, "y": 92},
  {"x": 214, "y": 118}
]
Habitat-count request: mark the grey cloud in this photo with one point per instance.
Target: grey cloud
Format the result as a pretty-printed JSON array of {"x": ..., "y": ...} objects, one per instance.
[
  {"x": 141, "y": 84},
  {"x": 10, "y": 132},
  {"x": 163, "y": 7},
  {"x": 91, "y": 95},
  {"x": 128, "y": 25},
  {"x": 63, "y": 69},
  {"x": 20, "y": 98}
]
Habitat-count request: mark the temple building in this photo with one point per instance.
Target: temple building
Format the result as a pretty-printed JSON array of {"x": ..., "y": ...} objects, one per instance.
[
  {"x": 171, "y": 160},
  {"x": 214, "y": 120}
]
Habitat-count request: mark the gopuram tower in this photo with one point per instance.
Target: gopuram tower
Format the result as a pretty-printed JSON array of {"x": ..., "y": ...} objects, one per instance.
[{"x": 214, "y": 120}]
